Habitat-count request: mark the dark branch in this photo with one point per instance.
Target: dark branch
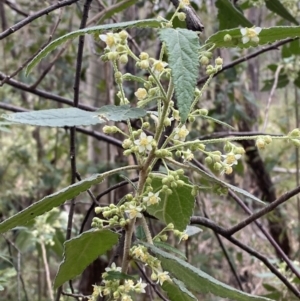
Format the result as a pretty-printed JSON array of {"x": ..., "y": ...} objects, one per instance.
[
  {"x": 44, "y": 94},
  {"x": 34, "y": 16},
  {"x": 203, "y": 221},
  {"x": 247, "y": 57}
]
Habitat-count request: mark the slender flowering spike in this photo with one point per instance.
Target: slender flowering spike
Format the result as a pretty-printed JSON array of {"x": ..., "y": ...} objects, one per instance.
[
  {"x": 152, "y": 198},
  {"x": 181, "y": 133},
  {"x": 250, "y": 34},
  {"x": 144, "y": 143}
]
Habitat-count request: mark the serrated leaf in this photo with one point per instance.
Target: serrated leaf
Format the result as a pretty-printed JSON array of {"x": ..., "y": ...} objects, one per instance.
[
  {"x": 74, "y": 116},
  {"x": 177, "y": 291},
  {"x": 223, "y": 184},
  {"x": 182, "y": 47},
  {"x": 49, "y": 202},
  {"x": 278, "y": 8},
  {"x": 115, "y": 275},
  {"x": 55, "y": 117},
  {"x": 168, "y": 247},
  {"x": 176, "y": 208},
  {"x": 196, "y": 280},
  {"x": 229, "y": 16},
  {"x": 82, "y": 250},
  {"x": 267, "y": 35},
  {"x": 119, "y": 113},
  {"x": 90, "y": 30}
]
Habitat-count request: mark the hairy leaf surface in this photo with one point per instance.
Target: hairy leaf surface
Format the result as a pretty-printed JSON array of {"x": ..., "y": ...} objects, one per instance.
[
  {"x": 196, "y": 280},
  {"x": 82, "y": 250},
  {"x": 183, "y": 47},
  {"x": 176, "y": 208}
]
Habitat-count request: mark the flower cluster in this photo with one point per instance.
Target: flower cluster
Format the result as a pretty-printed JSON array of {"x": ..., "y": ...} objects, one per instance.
[
  {"x": 224, "y": 163},
  {"x": 116, "y": 46},
  {"x": 115, "y": 289},
  {"x": 141, "y": 253}
]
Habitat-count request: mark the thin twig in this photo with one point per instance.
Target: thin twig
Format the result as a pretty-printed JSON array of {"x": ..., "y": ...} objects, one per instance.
[
  {"x": 47, "y": 271},
  {"x": 210, "y": 224},
  {"x": 73, "y": 129},
  {"x": 246, "y": 58},
  {"x": 35, "y": 16},
  {"x": 44, "y": 94},
  {"x": 276, "y": 76},
  {"x": 31, "y": 57}
]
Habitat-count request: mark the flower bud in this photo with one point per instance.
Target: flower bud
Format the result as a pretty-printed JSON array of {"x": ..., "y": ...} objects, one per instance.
[
  {"x": 144, "y": 56},
  {"x": 181, "y": 16},
  {"x": 144, "y": 64},
  {"x": 204, "y": 60},
  {"x": 123, "y": 59},
  {"x": 123, "y": 35},
  {"x": 227, "y": 38},
  {"x": 260, "y": 143},
  {"x": 219, "y": 61}
]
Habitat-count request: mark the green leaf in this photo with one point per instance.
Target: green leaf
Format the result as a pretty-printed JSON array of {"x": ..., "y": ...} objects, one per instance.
[
  {"x": 168, "y": 247},
  {"x": 177, "y": 291},
  {"x": 119, "y": 113},
  {"x": 291, "y": 49},
  {"x": 282, "y": 82},
  {"x": 116, "y": 8},
  {"x": 229, "y": 16},
  {"x": 278, "y": 8},
  {"x": 267, "y": 35},
  {"x": 115, "y": 275},
  {"x": 82, "y": 250},
  {"x": 49, "y": 202},
  {"x": 75, "y": 117},
  {"x": 198, "y": 281},
  {"x": 176, "y": 208},
  {"x": 223, "y": 184},
  {"x": 90, "y": 30},
  {"x": 55, "y": 117},
  {"x": 183, "y": 47}
]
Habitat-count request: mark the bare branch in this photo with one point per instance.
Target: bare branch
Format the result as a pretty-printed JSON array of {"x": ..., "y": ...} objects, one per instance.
[{"x": 34, "y": 16}]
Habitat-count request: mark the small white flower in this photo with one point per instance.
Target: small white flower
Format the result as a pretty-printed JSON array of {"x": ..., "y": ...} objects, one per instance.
[
  {"x": 113, "y": 267},
  {"x": 250, "y": 34},
  {"x": 126, "y": 297},
  {"x": 144, "y": 143},
  {"x": 134, "y": 211},
  {"x": 162, "y": 277},
  {"x": 231, "y": 158},
  {"x": 110, "y": 39},
  {"x": 140, "y": 287},
  {"x": 188, "y": 155},
  {"x": 152, "y": 198},
  {"x": 159, "y": 67},
  {"x": 181, "y": 133},
  {"x": 128, "y": 285}
]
